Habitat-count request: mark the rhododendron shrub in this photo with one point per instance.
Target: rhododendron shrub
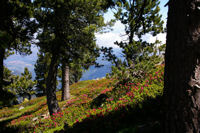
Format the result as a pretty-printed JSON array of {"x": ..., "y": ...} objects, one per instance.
[{"x": 126, "y": 104}]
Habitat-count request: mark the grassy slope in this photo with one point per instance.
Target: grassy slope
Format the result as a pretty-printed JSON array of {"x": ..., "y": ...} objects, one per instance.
[{"x": 133, "y": 110}]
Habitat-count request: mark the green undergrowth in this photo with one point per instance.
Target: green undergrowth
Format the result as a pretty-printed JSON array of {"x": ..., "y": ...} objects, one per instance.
[{"x": 121, "y": 108}]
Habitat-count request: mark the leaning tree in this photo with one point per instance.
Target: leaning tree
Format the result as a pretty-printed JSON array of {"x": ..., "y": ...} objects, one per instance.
[
  {"x": 182, "y": 68},
  {"x": 59, "y": 21}
]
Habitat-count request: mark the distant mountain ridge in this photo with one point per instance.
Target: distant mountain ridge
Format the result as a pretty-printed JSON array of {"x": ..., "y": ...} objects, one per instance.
[{"x": 16, "y": 64}]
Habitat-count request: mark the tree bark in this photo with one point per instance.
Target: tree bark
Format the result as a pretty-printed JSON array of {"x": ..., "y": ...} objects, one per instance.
[
  {"x": 65, "y": 82},
  {"x": 29, "y": 96},
  {"x": 182, "y": 68},
  {"x": 51, "y": 85}
]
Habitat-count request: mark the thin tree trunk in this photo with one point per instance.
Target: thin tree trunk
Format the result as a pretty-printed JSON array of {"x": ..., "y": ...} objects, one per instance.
[
  {"x": 29, "y": 96},
  {"x": 65, "y": 81},
  {"x": 182, "y": 68},
  {"x": 2, "y": 54},
  {"x": 51, "y": 85},
  {"x": 76, "y": 78}
]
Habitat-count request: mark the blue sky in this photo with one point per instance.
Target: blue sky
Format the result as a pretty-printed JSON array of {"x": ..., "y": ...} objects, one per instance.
[
  {"x": 18, "y": 62},
  {"x": 163, "y": 10}
]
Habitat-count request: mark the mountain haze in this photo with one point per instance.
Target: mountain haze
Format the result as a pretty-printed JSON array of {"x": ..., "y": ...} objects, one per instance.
[{"x": 16, "y": 64}]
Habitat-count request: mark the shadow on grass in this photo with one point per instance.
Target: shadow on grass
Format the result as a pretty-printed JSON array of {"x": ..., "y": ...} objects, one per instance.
[
  {"x": 8, "y": 129},
  {"x": 5, "y": 129},
  {"x": 140, "y": 119}
]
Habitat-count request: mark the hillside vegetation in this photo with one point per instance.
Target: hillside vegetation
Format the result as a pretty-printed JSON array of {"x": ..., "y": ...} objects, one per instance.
[{"x": 102, "y": 105}]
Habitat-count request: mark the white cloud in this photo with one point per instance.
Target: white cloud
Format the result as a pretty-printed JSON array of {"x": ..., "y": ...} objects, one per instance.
[
  {"x": 108, "y": 39},
  {"x": 18, "y": 62},
  {"x": 161, "y": 37},
  {"x": 118, "y": 34},
  {"x": 118, "y": 28}
]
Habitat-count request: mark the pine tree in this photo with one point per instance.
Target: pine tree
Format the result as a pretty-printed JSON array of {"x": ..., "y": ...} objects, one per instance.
[
  {"x": 16, "y": 29},
  {"x": 42, "y": 65},
  {"x": 23, "y": 85},
  {"x": 140, "y": 17},
  {"x": 41, "y": 71},
  {"x": 75, "y": 73},
  {"x": 9, "y": 97},
  {"x": 82, "y": 58},
  {"x": 59, "y": 20}
]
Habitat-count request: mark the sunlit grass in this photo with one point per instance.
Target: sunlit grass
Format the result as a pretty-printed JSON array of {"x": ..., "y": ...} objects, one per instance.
[{"x": 78, "y": 108}]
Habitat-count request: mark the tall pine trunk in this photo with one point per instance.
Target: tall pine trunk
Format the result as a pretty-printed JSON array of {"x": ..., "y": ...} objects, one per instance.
[
  {"x": 2, "y": 54},
  {"x": 182, "y": 68},
  {"x": 65, "y": 81},
  {"x": 51, "y": 85}
]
